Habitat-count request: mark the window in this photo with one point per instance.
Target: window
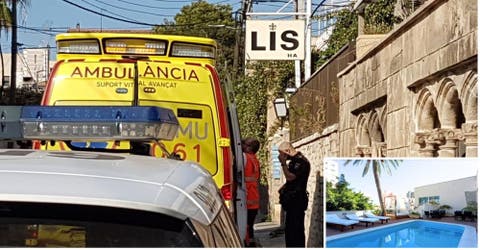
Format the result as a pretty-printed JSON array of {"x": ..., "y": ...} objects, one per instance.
[
  {"x": 425, "y": 200},
  {"x": 434, "y": 199},
  {"x": 60, "y": 225},
  {"x": 422, "y": 200}
]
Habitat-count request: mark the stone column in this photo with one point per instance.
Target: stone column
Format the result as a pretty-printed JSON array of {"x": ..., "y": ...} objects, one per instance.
[
  {"x": 452, "y": 136},
  {"x": 380, "y": 149},
  {"x": 429, "y": 142},
  {"x": 363, "y": 151},
  {"x": 470, "y": 132}
]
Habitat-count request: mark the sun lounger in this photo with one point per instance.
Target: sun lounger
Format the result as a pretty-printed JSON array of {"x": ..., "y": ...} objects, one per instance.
[
  {"x": 381, "y": 218},
  {"x": 343, "y": 223},
  {"x": 361, "y": 219}
]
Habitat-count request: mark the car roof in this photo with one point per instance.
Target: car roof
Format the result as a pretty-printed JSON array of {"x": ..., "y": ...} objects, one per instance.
[{"x": 178, "y": 188}]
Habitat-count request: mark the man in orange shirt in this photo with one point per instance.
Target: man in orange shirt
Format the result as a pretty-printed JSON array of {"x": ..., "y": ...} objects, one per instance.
[{"x": 250, "y": 147}]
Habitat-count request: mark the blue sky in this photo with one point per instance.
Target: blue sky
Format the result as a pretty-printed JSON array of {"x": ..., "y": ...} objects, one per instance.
[
  {"x": 59, "y": 15},
  {"x": 410, "y": 174}
]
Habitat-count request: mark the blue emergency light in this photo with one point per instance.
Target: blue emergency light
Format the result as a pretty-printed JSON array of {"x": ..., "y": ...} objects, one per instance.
[{"x": 96, "y": 123}]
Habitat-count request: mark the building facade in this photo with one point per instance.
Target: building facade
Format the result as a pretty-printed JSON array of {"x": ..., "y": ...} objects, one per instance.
[
  {"x": 453, "y": 193},
  {"x": 415, "y": 92},
  {"x": 409, "y": 93},
  {"x": 33, "y": 67}
]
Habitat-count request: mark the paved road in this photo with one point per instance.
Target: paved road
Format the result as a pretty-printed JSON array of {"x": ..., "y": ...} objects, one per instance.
[{"x": 269, "y": 235}]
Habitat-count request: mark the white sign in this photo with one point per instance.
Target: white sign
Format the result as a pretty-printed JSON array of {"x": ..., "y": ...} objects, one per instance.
[{"x": 275, "y": 40}]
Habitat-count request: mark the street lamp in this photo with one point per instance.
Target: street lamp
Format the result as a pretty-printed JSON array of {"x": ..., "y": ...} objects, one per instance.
[{"x": 281, "y": 109}]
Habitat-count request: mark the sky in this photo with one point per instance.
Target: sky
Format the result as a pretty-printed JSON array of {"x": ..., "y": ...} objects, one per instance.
[
  {"x": 410, "y": 174},
  {"x": 58, "y": 15},
  {"x": 43, "y": 19}
]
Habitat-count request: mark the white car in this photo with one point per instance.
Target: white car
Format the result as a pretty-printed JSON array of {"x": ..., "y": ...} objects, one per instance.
[
  {"x": 93, "y": 199},
  {"x": 89, "y": 199}
]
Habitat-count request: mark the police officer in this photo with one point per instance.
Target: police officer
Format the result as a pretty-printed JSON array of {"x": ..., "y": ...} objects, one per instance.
[
  {"x": 250, "y": 147},
  {"x": 296, "y": 173}
]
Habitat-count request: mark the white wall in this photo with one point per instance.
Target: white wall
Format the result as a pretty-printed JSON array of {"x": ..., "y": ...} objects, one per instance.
[{"x": 450, "y": 192}]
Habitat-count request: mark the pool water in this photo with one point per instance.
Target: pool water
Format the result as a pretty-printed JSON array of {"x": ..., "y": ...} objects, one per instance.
[{"x": 417, "y": 234}]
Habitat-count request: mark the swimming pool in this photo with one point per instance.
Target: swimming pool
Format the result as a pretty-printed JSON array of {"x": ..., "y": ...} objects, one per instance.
[{"x": 417, "y": 234}]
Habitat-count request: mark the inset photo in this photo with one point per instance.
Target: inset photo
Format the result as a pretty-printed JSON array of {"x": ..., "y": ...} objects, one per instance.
[{"x": 401, "y": 203}]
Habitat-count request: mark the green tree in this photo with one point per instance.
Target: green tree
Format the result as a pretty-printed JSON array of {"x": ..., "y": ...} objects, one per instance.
[
  {"x": 378, "y": 167},
  {"x": 344, "y": 31},
  {"x": 379, "y": 19},
  {"x": 340, "y": 197},
  {"x": 206, "y": 20}
]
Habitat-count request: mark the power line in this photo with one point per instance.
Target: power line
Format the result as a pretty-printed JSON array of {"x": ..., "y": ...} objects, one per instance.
[
  {"x": 149, "y": 6},
  {"x": 96, "y": 6},
  {"x": 108, "y": 16},
  {"x": 133, "y": 22},
  {"x": 173, "y": 1},
  {"x": 136, "y": 11},
  {"x": 42, "y": 31}
]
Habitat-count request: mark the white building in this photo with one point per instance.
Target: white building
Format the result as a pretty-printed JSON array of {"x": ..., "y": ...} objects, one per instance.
[
  {"x": 33, "y": 67},
  {"x": 455, "y": 193}
]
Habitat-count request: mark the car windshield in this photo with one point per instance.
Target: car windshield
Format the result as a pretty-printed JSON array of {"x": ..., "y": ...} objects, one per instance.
[{"x": 60, "y": 225}]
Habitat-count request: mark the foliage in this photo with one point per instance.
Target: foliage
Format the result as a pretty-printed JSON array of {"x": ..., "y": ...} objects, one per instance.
[
  {"x": 445, "y": 207},
  {"x": 252, "y": 95},
  {"x": 379, "y": 19},
  {"x": 433, "y": 203},
  {"x": 414, "y": 213},
  {"x": 340, "y": 197},
  {"x": 198, "y": 19},
  {"x": 5, "y": 16},
  {"x": 471, "y": 206},
  {"x": 345, "y": 30},
  {"x": 6, "y": 13}
]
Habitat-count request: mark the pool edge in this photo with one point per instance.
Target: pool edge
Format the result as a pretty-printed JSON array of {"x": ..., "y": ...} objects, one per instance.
[{"x": 468, "y": 239}]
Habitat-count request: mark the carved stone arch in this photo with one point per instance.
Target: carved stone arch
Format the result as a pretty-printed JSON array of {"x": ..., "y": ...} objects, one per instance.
[
  {"x": 374, "y": 127},
  {"x": 362, "y": 133},
  {"x": 469, "y": 97},
  {"x": 449, "y": 105},
  {"x": 425, "y": 112},
  {"x": 382, "y": 118}
]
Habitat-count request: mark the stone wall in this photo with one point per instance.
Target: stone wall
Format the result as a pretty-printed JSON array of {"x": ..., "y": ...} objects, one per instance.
[
  {"x": 415, "y": 92},
  {"x": 316, "y": 147}
]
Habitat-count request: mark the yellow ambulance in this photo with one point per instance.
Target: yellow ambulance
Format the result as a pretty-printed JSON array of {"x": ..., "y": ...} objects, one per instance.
[{"x": 175, "y": 72}]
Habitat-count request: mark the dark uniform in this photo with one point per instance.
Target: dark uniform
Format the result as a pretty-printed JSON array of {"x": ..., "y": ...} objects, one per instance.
[{"x": 295, "y": 211}]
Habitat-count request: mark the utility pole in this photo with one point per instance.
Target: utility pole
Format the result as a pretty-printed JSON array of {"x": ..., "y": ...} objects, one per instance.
[
  {"x": 236, "y": 50},
  {"x": 13, "y": 68}
]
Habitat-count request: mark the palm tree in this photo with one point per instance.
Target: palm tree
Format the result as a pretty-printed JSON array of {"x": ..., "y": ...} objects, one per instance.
[
  {"x": 6, "y": 22},
  {"x": 377, "y": 166}
]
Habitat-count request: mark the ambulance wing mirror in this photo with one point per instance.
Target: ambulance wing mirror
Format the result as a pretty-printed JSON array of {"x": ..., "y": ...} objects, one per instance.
[{"x": 93, "y": 123}]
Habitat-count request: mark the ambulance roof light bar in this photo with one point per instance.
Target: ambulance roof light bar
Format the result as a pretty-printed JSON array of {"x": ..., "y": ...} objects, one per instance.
[
  {"x": 180, "y": 49},
  {"x": 93, "y": 123}
]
